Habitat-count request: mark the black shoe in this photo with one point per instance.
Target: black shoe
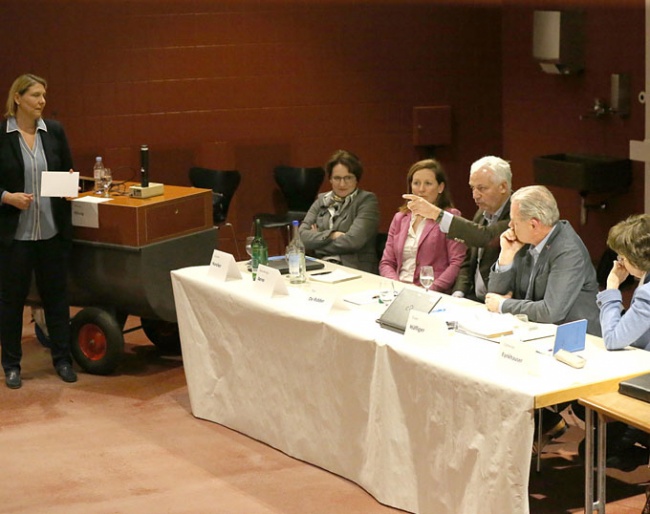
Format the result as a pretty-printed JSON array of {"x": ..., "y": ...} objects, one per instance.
[
  {"x": 66, "y": 372},
  {"x": 624, "y": 457},
  {"x": 12, "y": 379},
  {"x": 628, "y": 459}
]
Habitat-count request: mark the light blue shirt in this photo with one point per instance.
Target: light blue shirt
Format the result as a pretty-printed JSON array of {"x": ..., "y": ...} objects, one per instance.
[
  {"x": 629, "y": 329},
  {"x": 37, "y": 222}
]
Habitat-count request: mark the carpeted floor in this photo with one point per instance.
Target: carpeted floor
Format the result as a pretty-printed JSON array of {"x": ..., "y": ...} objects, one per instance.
[{"x": 128, "y": 443}]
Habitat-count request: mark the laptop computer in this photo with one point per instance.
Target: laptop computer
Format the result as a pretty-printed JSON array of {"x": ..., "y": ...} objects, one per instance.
[
  {"x": 280, "y": 263},
  {"x": 396, "y": 315}
]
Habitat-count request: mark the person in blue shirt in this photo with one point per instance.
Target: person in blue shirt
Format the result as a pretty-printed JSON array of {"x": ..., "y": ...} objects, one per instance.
[
  {"x": 627, "y": 447},
  {"x": 630, "y": 239}
]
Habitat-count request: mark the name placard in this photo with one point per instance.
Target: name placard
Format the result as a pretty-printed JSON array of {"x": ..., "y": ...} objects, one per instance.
[
  {"x": 518, "y": 357},
  {"x": 317, "y": 304},
  {"x": 423, "y": 328},
  {"x": 269, "y": 281},
  {"x": 223, "y": 266}
]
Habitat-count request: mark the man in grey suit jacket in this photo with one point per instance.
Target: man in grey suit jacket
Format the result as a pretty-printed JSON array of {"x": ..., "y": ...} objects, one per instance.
[
  {"x": 490, "y": 180},
  {"x": 544, "y": 269}
]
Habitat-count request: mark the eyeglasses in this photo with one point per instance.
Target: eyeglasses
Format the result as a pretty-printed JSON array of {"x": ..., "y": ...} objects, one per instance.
[
  {"x": 347, "y": 179},
  {"x": 621, "y": 259}
]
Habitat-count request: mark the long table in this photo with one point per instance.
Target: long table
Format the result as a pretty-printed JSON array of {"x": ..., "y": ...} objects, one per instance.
[{"x": 434, "y": 427}]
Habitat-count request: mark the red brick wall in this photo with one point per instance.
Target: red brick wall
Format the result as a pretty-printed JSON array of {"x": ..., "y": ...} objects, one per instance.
[
  {"x": 254, "y": 84},
  {"x": 541, "y": 112}
]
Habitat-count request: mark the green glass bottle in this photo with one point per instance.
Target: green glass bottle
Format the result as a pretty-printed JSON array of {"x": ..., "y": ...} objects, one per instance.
[{"x": 259, "y": 249}]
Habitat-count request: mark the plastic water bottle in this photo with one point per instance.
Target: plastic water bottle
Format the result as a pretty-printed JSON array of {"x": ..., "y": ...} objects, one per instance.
[
  {"x": 296, "y": 257},
  {"x": 98, "y": 175},
  {"x": 259, "y": 249}
]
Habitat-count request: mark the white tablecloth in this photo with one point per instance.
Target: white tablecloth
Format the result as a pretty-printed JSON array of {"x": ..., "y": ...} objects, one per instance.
[{"x": 431, "y": 428}]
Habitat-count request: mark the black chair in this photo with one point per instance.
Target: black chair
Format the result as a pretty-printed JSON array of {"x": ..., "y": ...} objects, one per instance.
[
  {"x": 380, "y": 244},
  {"x": 299, "y": 187},
  {"x": 223, "y": 183}
]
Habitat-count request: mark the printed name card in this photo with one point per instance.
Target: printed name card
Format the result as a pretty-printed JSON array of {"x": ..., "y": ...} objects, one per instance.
[
  {"x": 85, "y": 211},
  {"x": 223, "y": 267},
  {"x": 518, "y": 357},
  {"x": 318, "y": 304},
  {"x": 425, "y": 329},
  {"x": 269, "y": 281}
]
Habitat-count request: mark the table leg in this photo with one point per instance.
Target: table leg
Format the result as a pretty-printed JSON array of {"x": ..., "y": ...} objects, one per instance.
[
  {"x": 538, "y": 463},
  {"x": 589, "y": 461},
  {"x": 598, "y": 505},
  {"x": 601, "y": 460}
]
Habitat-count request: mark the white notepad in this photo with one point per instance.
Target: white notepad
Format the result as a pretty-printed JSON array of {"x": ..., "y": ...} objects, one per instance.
[{"x": 332, "y": 277}]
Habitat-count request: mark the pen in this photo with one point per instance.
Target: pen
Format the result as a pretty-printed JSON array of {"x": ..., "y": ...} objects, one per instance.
[{"x": 321, "y": 273}]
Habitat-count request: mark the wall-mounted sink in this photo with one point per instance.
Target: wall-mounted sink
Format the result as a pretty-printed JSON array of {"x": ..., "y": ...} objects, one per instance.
[{"x": 586, "y": 173}]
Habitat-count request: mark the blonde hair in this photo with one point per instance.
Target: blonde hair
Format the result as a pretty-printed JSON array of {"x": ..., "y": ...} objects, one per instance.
[{"x": 20, "y": 86}]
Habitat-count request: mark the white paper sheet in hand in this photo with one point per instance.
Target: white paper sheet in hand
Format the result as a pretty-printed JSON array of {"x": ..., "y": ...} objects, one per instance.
[{"x": 60, "y": 184}]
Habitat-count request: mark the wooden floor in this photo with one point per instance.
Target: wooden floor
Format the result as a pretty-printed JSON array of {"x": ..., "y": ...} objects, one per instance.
[{"x": 128, "y": 443}]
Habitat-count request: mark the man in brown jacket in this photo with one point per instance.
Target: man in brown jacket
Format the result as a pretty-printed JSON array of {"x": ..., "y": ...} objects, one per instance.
[{"x": 490, "y": 180}]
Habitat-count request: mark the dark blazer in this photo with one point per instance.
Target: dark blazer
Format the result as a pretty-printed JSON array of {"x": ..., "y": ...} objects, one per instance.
[
  {"x": 564, "y": 285},
  {"x": 476, "y": 235},
  {"x": 12, "y": 176},
  {"x": 359, "y": 221}
]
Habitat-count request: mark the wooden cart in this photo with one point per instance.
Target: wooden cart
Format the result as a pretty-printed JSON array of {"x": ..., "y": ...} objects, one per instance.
[{"x": 123, "y": 268}]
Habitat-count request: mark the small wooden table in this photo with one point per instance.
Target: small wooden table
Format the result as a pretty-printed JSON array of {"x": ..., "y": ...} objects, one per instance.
[
  {"x": 129, "y": 221},
  {"x": 609, "y": 407}
]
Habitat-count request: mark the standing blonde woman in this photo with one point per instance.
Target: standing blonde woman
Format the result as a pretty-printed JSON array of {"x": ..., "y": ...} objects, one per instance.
[{"x": 35, "y": 231}]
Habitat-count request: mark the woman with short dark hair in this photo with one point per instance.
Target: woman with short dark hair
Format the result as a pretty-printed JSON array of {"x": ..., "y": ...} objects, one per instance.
[
  {"x": 341, "y": 225},
  {"x": 630, "y": 239}
]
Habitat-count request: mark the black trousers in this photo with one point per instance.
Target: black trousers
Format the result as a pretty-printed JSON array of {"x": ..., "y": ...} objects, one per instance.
[{"x": 47, "y": 262}]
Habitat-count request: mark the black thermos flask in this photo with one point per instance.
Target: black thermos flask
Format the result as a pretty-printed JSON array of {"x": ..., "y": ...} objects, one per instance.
[{"x": 144, "y": 166}]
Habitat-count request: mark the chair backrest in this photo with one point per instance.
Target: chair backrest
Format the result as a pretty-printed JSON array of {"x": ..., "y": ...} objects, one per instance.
[
  {"x": 380, "y": 244},
  {"x": 299, "y": 186},
  {"x": 223, "y": 183}
]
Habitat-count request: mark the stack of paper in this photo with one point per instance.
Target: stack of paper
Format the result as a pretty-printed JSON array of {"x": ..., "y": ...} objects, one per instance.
[{"x": 486, "y": 324}]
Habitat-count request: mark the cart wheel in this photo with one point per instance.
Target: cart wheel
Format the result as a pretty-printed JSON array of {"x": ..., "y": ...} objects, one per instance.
[
  {"x": 40, "y": 327},
  {"x": 163, "y": 334},
  {"x": 41, "y": 336},
  {"x": 97, "y": 341}
]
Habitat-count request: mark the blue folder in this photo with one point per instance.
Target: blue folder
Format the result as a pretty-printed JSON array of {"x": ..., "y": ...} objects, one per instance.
[{"x": 571, "y": 336}]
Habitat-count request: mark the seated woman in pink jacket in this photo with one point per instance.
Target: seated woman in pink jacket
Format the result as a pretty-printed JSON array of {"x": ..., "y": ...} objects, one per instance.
[{"x": 414, "y": 241}]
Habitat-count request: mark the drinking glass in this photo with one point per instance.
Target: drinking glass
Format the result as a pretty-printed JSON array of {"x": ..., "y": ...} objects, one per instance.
[
  {"x": 386, "y": 291},
  {"x": 249, "y": 241},
  {"x": 520, "y": 328},
  {"x": 107, "y": 181},
  {"x": 426, "y": 277}
]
